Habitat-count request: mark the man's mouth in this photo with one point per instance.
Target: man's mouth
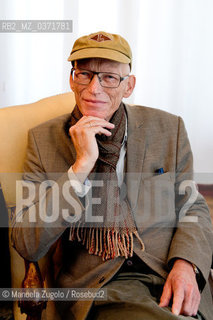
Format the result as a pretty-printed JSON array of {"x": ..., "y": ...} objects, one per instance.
[{"x": 94, "y": 101}]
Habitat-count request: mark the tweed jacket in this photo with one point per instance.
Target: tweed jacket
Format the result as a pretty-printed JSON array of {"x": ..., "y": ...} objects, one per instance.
[{"x": 172, "y": 218}]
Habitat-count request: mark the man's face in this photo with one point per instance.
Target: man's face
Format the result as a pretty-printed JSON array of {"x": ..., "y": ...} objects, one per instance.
[{"x": 95, "y": 100}]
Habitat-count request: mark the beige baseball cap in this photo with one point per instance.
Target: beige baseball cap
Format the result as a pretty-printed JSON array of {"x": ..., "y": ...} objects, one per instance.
[{"x": 102, "y": 45}]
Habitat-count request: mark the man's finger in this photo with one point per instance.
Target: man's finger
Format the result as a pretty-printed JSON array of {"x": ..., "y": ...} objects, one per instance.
[
  {"x": 188, "y": 304},
  {"x": 100, "y": 123},
  {"x": 166, "y": 295},
  {"x": 100, "y": 130},
  {"x": 191, "y": 302},
  {"x": 178, "y": 299},
  {"x": 95, "y": 121}
]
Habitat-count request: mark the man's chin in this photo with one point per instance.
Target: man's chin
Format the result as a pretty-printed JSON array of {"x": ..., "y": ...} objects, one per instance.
[
  {"x": 93, "y": 113},
  {"x": 97, "y": 115}
]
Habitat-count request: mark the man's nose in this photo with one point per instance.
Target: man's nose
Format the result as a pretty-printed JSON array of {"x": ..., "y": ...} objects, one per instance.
[{"x": 94, "y": 86}]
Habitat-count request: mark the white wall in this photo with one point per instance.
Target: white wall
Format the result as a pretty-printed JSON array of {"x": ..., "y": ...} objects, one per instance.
[
  {"x": 172, "y": 50},
  {"x": 34, "y": 65},
  {"x": 176, "y": 67}
]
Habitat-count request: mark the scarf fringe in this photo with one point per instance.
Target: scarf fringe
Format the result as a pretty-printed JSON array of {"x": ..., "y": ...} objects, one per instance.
[{"x": 106, "y": 243}]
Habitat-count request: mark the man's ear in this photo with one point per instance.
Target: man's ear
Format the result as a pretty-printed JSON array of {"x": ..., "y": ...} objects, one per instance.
[
  {"x": 71, "y": 83},
  {"x": 130, "y": 86}
]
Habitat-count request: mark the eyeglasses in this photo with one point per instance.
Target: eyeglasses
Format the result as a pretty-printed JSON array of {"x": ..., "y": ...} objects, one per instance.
[{"x": 106, "y": 79}]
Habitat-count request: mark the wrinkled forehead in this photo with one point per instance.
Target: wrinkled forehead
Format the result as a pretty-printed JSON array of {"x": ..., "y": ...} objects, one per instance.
[{"x": 101, "y": 64}]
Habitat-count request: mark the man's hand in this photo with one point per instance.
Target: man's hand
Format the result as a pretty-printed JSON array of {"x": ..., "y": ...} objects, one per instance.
[
  {"x": 182, "y": 286},
  {"x": 83, "y": 137}
]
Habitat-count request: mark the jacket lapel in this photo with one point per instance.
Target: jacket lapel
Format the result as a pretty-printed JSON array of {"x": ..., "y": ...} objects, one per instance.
[
  {"x": 135, "y": 153},
  {"x": 65, "y": 144}
]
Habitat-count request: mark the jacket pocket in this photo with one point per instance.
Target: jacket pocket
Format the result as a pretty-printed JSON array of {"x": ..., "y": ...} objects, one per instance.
[{"x": 155, "y": 205}]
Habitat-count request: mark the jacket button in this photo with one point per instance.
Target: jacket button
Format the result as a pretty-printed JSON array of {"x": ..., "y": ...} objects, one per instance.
[
  {"x": 129, "y": 263},
  {"x": 101, "y": 280}
]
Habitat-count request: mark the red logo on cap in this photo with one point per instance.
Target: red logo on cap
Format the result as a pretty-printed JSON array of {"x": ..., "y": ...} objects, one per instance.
[{"x": 100, "y": 37}]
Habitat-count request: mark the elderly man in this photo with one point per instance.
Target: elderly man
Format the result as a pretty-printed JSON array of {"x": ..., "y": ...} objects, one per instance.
[{"x": 152, "y": 249}]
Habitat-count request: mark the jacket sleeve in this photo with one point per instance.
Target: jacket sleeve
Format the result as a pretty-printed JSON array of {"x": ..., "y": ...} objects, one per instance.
[
  {"x": 51, "y": 207},
  {"x": 193, "y": 237}
]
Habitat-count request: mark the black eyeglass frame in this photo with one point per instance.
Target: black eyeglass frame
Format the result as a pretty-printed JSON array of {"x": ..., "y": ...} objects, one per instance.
[{"x": 97, "y": 73}]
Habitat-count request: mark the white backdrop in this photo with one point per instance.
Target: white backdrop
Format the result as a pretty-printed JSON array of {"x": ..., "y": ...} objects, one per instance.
[{"x": 172, "y": 49}]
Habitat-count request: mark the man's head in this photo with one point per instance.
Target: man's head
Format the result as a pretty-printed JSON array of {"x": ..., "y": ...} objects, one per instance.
[{"x": 100, "y": 78}]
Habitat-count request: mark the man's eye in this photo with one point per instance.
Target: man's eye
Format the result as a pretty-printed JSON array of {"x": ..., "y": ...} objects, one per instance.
[
  {"x": 109, "y": 78},
  {"x": 83, "y": 74}
]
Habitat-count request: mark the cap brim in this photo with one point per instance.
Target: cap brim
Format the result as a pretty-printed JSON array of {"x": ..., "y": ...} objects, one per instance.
[{"x": 99, "y": 53}]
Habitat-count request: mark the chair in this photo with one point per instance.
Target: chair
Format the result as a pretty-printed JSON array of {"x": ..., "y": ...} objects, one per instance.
[{"x": 14, "y": 125}]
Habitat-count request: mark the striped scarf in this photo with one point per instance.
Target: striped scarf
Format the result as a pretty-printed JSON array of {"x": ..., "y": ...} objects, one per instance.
[{"x": 114, "y": 236}]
